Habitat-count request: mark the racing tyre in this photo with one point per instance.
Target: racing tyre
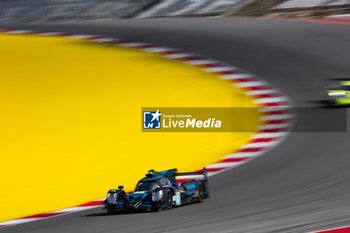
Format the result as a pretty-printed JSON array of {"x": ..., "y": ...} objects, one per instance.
[
  {"x": 168, "y": 201},
  {"x": 201, "y": 194}
]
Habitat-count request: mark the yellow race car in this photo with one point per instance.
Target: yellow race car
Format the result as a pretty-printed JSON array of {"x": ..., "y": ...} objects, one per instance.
[{"x": 339, "y": 95}]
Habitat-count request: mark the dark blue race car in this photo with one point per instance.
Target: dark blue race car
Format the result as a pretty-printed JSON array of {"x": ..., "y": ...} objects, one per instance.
[{"x": 158, "y": 190}]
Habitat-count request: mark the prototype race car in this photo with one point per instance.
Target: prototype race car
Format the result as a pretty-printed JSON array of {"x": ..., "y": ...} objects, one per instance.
[
  {"x": 158, "y": 190},
  {"x": 339, "y": 95}
]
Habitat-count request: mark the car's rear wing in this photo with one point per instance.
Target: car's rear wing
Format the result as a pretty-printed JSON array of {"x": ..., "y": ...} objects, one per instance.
[
  {"x": 172, "y": 173},
  {"x": 203, "y": 172}
]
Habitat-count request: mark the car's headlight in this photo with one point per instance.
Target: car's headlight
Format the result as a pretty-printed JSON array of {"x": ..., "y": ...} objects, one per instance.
[
  {"x": 336, "y": 94},
  {"x": 157, "y": 195},
  {"x": 112, "y": 198}
]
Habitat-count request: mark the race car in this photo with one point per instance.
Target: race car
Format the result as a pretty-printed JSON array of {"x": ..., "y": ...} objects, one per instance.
[
  {"x": 339, "y": 94},
  {"x": 158, "y": 191}
]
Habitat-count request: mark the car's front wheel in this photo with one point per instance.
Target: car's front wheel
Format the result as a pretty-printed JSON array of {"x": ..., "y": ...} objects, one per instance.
[
  {"x": 166, "y": 204},
  {"x": 168, "y": 201}
]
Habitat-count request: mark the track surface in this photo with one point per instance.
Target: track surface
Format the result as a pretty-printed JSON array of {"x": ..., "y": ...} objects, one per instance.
[{"x": 301, "y": 185}]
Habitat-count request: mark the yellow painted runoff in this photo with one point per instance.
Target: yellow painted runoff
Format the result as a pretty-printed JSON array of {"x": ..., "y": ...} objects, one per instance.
[{"x": 71, "y": 120}]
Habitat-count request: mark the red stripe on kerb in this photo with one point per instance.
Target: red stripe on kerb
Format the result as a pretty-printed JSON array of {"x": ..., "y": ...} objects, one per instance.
[
  {"x": 277, "y": 112},
  {"x": 170, "y": 52},
  {"x": 278, "y": 130},
  {"x": 254, "y": 149},
  {"x": 257, "y": 88},
  {"x": 228, "y": 72},
  {"x": 44, "y": 215},
  {"x": 144, "y": 46},
  {"x": 242, "y": 80},
  {"x": 327, "y": 20},
  {"x": 191, "y": 58},
  {"x": 340, "y": 230},
  {"x": 264, "y": 140},
  {"x": 92, "y": 203},
  {"x": 333, "y": 21},
  {"x": 233, "y": 160},
  {"x": 275, "y": 104},
  {"x": 214, "y": 169},
  {"x": 272, "y": 95},
  {"x": 246, "y": 80},
  {"x": 93, "y": 38},
  {"x": 210, "y": 65},
  {"x": 277, "y": 121}
]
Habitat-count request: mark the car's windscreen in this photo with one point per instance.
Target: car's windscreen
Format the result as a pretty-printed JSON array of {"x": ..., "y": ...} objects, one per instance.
[{"x": 146, "y": 185}]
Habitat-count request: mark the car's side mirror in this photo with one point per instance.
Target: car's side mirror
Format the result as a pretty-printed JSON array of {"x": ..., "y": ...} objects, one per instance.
[{"x": 120, "y": 187}]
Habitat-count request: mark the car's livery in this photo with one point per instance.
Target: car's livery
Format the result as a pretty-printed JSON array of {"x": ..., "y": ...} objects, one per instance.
[
  {"x": 339, "y": 95},
  {"x": 158, "y": 190}
]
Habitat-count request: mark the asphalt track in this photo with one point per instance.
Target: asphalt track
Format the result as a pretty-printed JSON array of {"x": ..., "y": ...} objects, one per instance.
[{"x": 301, "y": 185}]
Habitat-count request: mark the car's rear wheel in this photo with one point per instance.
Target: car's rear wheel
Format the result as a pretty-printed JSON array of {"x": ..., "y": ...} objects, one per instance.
[{"x": 201, "y": 194}]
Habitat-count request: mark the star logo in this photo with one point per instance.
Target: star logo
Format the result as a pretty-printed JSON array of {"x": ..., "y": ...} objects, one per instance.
[
  {"x": 152, "y": 120},
  {"x": 156, "y": 116}
]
